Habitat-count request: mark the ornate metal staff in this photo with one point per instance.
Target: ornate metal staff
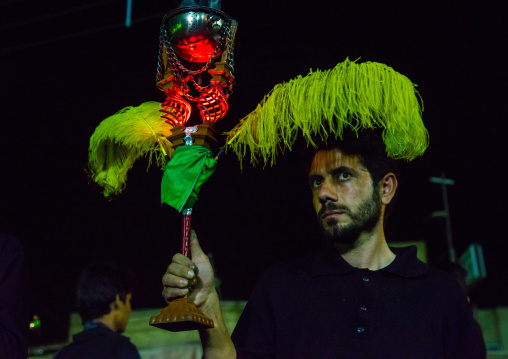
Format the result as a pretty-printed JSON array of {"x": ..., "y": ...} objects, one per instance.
[
  {"x": 191, "y": 39},
  {"x": 195, "y": 67}
]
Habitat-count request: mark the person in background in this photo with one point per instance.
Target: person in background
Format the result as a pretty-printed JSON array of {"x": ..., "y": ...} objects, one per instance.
[
  {"x": 14, "y": 299},
  {"x": 104, "y": 304}
]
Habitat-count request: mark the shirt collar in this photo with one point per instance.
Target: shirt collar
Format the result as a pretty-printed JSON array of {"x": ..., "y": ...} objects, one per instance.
[
  {"x": 91, "y": 331},
  {"x": 405, "y": 264},
  {"x": 92, "y": 325},
  {"x": 330, "y": 262}
]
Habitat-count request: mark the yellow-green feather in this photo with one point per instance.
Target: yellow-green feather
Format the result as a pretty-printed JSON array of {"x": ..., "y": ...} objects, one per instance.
[
  {"x": 354, "y": 95},
  {"x": 121, "y": 139}
]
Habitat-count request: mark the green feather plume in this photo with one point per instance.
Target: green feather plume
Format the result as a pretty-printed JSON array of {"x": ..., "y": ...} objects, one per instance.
[
  {"x": 356, "y": 95},
  {"x": 121, "y": 139}
]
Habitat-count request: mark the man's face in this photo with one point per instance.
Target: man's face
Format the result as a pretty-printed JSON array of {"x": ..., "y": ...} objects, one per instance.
[{"x": 346, "y": 202}]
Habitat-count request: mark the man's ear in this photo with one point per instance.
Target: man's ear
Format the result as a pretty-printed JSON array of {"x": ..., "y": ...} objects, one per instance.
[
  {"x": 389, "y": 186},
  {"x": 115, "y": 305}
]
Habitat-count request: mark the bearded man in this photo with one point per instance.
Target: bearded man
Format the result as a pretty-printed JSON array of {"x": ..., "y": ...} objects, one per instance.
[{"x": 359, "y": 298}]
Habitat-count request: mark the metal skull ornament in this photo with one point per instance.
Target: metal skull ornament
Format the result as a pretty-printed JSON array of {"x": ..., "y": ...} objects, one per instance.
[{"x": 196, "y": 63}]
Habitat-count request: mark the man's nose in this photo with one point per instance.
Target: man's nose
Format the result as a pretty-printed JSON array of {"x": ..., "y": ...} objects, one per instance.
[{"x": 327, "y": 192}]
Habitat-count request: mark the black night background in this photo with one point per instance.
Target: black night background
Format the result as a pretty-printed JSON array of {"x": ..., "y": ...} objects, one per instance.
[{"x": 65, "y": 66}]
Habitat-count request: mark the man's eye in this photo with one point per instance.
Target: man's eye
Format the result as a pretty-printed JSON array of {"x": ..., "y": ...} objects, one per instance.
[
  {"x": 317, "y": 183},
  {"x": 344, "y": 176}
]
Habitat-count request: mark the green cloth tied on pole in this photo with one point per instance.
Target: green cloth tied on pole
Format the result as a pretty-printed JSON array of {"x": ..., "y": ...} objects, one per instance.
[{"x": 190, "y": 167}]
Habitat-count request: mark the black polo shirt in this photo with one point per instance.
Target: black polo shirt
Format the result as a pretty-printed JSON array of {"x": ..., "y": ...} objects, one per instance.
[{"x": 322, "y": 307}]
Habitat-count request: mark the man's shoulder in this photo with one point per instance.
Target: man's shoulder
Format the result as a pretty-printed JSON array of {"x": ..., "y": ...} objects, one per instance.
[
  {"x": 93, "y": 343},
  {"x": 445, "y": 281},
  {"x": 408, "y": 265},
  {"x": 9, "y": 246},
  {"x": 100, "y": 333}
]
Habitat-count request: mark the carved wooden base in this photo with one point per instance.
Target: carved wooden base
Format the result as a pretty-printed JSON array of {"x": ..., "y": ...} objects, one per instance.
[{"x": 180, "y": 315}]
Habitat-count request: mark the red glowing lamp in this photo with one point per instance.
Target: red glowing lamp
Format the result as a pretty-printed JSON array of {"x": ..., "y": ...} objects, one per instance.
[{"x": 196, "y": 63}]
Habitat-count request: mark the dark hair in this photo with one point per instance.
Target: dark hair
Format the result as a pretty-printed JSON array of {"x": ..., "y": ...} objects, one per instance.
[
  {"x": 98, "y": 286},
  {"x": 369, "y": 146}
]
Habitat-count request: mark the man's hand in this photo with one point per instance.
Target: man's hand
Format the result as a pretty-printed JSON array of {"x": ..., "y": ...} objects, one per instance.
[
  {"x": 184, "y": 275},
  {"x": 196, "y": 276}
]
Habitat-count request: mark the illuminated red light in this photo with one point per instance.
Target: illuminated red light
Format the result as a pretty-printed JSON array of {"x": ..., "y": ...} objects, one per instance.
[
  {"x": 212, "y": 104},
  {"x": 176, "y": 110}
]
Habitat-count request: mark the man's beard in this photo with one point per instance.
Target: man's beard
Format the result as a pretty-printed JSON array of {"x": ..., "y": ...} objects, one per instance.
[{"x": 364, "y": 219}]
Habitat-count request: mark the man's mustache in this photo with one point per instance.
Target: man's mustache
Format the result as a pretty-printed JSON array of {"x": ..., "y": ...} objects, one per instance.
[{"x": 330, "y": 207}]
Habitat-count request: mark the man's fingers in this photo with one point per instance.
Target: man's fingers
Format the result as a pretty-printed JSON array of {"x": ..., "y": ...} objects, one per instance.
[
  {"x": 170, "y": 280},
  {"x": 183, "y": 260},
  {"x": 180, "y": 271},
  {"x": 181, "y": 274},
  {"x": 169, "y": 293}
]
